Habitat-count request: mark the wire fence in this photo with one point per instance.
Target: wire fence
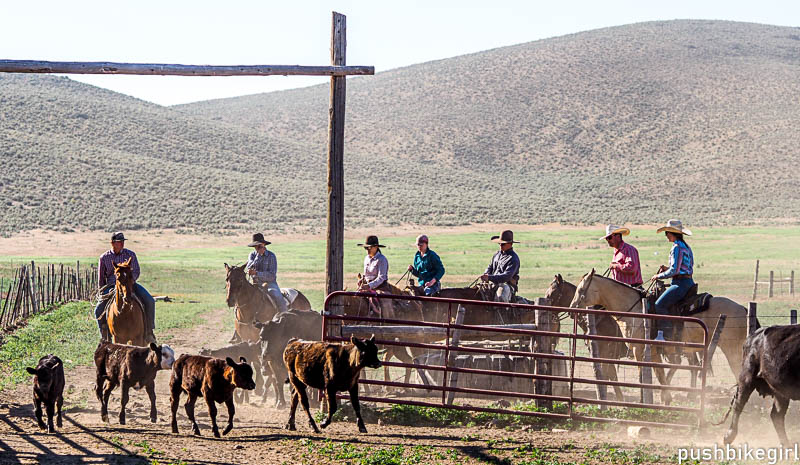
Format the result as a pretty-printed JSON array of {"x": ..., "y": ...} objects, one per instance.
[{"x": 36, "y": 288}]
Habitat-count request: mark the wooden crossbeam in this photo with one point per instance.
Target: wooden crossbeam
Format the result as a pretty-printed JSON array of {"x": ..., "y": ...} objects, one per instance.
[{"x": 161, "y": 69}]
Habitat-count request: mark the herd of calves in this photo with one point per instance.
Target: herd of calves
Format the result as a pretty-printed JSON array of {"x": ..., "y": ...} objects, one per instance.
[{"x": 283, "y": 350}]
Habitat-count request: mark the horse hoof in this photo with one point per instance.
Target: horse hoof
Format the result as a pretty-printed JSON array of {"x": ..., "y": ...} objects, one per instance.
[{"x": 290, "y": 427}]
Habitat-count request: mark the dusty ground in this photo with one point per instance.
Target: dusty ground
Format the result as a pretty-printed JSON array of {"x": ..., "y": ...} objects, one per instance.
[{"x": 258, "y": 436}]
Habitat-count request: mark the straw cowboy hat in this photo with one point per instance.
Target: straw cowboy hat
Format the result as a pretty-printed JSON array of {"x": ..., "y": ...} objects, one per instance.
[
  {"x": 371, "y": 241},
  {"x": 506, "y": 237},
  {"x": 258, "y": 238},
  {"x": 614, "y": 229},
  {"x": 675, "y": 226}
]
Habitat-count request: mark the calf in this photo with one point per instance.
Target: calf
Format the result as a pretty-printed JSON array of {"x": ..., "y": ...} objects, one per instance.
[
  {"x": 48, "y": 388},
  {"x": 771, "y": 366},
  {"x": 210, "y": 378},
  {"x": 129, "y": 367},
  {"x": 330, "y": 367},
  {"x": 275, "y": 335},
  {"x": 248, "y": 350}
]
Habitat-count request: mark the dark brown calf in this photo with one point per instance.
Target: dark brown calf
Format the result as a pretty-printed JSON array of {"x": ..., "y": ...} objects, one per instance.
[
  {"x": 248, "y": 350},
  {"x": 212, "y": 379},
  {"x": 129, "y": 367},
  {"x": 771, "y": 366},
  {"x": 330, "y": 367},
  {"x": 48, "y": 388},
  {"x": 275, "y": 335}
]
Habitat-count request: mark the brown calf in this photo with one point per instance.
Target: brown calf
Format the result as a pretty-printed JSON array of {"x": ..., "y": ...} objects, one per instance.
[
  {"x": 129, "y": 367},
  {"x": 48, "y": 388},
  {"x": 330, "y": 367},
  {"x": 248, "y": 350},
  {"x": 210, "y": 378}
]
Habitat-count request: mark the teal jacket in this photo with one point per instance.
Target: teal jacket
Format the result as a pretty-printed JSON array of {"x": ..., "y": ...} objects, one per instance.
[{"x": 427, "y": 267}]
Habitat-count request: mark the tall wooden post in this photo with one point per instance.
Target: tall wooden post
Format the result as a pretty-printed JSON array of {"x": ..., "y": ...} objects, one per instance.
[
  {"x": 771, "y": 281},
  {"x": 755, "y": 282},
  {"x": 334, "y": 263}
]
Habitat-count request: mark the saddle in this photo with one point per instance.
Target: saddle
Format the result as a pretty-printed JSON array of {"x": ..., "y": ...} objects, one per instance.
[
  {"x": 692, "y": 303},
  {"x": 288, "y": 294}
]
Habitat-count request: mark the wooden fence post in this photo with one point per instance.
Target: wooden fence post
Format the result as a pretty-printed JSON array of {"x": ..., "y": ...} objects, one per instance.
[
  {"x": 792, "y": 317},
  {"x": 543, "y": 365},
  {"x": 451, "y": 361},
  {"x": 771, "y": 281},
  {"x": 791, "y": 283},
  {"x": 646, "y": 373},
  {"x": 594, "y": 348},
  {"x": 755, "y": 283},
  {"x": 752, "y": 318}
]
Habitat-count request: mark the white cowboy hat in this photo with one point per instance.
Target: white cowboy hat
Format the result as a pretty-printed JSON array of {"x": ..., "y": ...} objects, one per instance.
[
  {"x": 675, "y": 226},
  {"x": 614, "y": 229}
]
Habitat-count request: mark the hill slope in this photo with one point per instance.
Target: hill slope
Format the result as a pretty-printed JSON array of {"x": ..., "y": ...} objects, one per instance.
[
  {"x": 602, "y": 125},
  {"x": 695, "y": 119}
]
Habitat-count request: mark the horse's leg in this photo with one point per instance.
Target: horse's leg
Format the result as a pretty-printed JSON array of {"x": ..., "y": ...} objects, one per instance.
[{"x": 610, "y": 373}]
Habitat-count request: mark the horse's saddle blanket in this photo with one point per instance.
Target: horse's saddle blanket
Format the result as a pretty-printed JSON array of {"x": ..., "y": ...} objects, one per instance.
[{"x": 288, "y": 293}]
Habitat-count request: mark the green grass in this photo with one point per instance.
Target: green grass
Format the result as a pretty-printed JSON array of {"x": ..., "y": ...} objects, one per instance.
[
  {"x": 346, "y": 452},
  {"x": 67, "y": 332}
]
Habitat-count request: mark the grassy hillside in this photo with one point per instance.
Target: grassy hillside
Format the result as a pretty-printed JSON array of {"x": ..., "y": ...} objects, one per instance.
[{"x": 694, "y": 119}]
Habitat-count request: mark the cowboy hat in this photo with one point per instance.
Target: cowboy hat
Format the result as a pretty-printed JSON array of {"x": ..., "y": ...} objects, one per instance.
[
  {"x": 118, "y": 237},
  {"x": 258, "y": 238},
  {"x": 675, "y": 226},
  {"x": 614, "y": 229},
  {"x": 506, "y": 237},
  {"x": 371, "y": 241}
]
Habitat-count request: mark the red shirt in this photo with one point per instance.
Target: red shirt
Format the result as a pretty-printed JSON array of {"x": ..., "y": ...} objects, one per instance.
[{"x": 629, "y": 271}]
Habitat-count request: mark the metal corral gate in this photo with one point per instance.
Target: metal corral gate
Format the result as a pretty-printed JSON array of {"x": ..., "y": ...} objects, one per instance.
[{"x": 334, "y": 329}]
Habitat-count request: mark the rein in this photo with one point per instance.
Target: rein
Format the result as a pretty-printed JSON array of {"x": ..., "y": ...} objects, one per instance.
[{"x": 401, "y": 277}]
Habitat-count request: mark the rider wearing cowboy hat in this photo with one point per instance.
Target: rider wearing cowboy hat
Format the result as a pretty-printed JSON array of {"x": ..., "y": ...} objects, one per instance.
[
  {"x": 107, "y": 279},
  {"x": 681, "y": 261},
  {"x": 376, "y": 274},
  {"x": 427, "y": 267},
  {"x": 504, "y": 269},
  {"x": 262, "y": 265},
  {"x": 624, "y": 266}
]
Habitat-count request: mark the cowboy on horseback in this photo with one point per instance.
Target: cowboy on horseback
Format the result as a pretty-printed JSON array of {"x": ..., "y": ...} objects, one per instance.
[
  {"x": 107, "y": 279},
  {"x": 427, "y": 267},
  {"x": 504, "y": 269},
  {"x": 680, "y": 268},
  {"x": 262, "y": 266},
  {"x": 624, "y": 266},
  {"x": 376, "y": 273}
]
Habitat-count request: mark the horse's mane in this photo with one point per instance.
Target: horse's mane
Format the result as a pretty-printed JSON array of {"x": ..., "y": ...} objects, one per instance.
[{"x": 614, "y": 281}]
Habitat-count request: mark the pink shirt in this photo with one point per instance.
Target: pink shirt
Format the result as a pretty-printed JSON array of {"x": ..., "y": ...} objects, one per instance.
[{"x": 630, "y": 271}]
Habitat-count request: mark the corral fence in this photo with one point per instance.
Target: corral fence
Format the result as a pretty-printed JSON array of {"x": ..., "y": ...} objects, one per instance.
[
  {"x": 35, "y": 288},
  {"x": 772, "y": 282},
  {"x": 531, "y": 370}
]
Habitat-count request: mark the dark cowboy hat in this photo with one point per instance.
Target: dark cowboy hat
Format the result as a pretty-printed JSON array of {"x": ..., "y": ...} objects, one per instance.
[
  {"x": 117, "y": 237},
  {"x": 258, "y": 238},
  {"x": 371, "y": 240},
  {"x": 506, "y": 237}
]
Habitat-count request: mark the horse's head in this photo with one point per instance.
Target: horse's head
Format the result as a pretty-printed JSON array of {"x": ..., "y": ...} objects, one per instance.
[
  {"x": 234, "y": 282},
  {"x": 361, "y": 281},
  {"x": 413, "y": 289},
  {"x": 125, "y": 281},
  {"x": 585, "y": 294}
]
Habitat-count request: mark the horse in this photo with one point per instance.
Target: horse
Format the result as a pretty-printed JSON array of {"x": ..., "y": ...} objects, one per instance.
[
  {"x": 619, "y": 297},
  {"x": 251, "y": 304},
  {"x": 124, "y": 312},
  {"x": 561, "y": 293}
]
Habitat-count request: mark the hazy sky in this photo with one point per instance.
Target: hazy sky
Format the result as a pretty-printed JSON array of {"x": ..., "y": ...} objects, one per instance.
[{"x": 383, "y": 34}]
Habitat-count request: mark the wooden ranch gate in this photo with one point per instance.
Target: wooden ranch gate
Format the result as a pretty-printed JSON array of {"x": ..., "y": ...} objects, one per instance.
[{"x": 448, "y": 338}]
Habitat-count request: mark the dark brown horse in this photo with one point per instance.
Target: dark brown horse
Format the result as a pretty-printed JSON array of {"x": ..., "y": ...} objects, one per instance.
[
  {"x": 124, "y": 313},
  {"x": 474, "y": 314},
  {"x": 251, "y": 304},
  {"x": 561, "y": 293}
]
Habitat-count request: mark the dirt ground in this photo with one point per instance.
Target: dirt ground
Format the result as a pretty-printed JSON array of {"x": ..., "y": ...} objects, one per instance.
[{"x": 258, "y": 436}]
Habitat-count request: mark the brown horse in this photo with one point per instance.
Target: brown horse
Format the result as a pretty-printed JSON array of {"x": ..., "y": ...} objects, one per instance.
[
  {"x": 124, "y": 312},
  {"x": 251, "y": 304},
  {"x": 561, "y": 293}
]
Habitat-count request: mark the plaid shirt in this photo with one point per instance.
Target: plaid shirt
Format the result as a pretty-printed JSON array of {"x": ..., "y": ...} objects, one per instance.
[
  {"x": 266, "y": 266},
  {"x": 105, "y": 269}
]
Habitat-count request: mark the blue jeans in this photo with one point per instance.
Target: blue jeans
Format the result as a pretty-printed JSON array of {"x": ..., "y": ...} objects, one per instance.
[
  {"x": 429, "y": 291},
  {"x": 275, "y": 293},
  {"x": 670, "y": 297},
  {"x": 143, "y": 295}
]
